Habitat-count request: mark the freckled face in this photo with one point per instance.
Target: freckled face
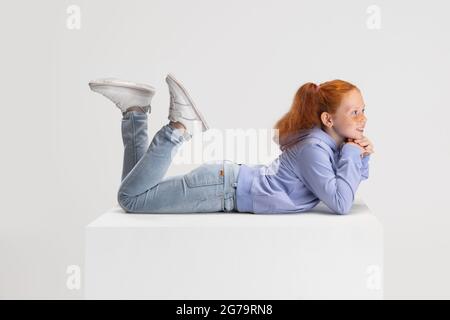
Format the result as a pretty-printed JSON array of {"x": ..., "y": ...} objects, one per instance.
[{"x": 350, "y": 119}]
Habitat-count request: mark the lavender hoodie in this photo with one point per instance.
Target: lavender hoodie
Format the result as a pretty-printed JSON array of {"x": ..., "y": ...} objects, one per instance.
[{"x": 313, "y": 169}]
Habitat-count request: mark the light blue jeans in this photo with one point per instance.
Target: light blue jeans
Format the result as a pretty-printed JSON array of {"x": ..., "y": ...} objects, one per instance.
[{"x": 211, "y": 187}]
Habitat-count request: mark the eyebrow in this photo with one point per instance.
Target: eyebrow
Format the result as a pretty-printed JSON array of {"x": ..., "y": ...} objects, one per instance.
[{"x": 353, "y": 107}]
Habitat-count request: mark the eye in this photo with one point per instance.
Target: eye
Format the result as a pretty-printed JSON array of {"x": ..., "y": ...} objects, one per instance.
[{"x": 355, "y": 112}]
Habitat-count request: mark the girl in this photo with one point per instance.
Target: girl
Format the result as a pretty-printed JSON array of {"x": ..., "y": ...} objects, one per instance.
[{"x": 324, "y": 154}]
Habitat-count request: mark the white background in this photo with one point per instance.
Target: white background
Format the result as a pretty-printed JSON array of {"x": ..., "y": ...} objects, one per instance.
[{"x": 242, "y": 62}]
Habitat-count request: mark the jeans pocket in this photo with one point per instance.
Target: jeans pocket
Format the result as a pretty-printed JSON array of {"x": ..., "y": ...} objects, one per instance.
[{"x": 205, "y": 175}]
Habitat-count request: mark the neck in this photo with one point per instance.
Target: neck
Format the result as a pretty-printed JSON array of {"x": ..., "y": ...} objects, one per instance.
[{"x": 336, "y": 137}]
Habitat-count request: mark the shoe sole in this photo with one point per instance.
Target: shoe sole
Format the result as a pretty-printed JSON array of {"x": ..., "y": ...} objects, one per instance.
[
  {"x": 123, "y": 84},
  {"x": 197, "y": 112}
]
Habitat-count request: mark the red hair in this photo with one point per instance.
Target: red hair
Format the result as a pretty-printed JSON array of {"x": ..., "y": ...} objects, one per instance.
[{"x": 309, "y": 102}]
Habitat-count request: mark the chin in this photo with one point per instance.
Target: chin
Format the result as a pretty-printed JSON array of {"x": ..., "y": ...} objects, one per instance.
[
  {"x": 354, "y": 134},
  {"x": 359, "y": 134}
]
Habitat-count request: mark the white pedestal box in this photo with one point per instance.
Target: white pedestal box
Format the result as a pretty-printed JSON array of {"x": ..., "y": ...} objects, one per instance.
[{"x": 310, "y": 255}]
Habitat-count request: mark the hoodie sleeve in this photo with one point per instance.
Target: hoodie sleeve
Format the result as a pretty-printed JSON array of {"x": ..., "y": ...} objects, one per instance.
[
  {"x": 336, "y": 190},
  {"x": 365, "y": 167}
]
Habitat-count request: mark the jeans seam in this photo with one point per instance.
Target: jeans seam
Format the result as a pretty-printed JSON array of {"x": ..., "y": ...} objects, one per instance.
[{"x": 134, "y": 139}]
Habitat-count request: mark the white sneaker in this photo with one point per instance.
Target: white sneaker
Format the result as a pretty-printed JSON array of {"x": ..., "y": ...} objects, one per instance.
[
  {"x": 182, "y": 108},
  {"x": 124, "y": 94}
]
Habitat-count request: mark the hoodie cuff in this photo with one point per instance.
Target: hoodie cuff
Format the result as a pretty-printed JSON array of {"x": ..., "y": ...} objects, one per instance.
[
  {"x": 366, "y": 158},
  {"x": 350, "y": 151}
]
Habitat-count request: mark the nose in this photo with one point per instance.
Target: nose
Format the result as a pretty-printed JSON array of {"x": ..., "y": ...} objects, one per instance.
[{"x": 363, "y": 119}]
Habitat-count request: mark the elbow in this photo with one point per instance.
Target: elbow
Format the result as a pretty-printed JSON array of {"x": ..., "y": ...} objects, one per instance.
[
  {"x": 343, "y": 208},
  {"x": 342, "y": 211}
]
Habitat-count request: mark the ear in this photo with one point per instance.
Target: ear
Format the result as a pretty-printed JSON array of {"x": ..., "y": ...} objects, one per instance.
[{"x": 326, "y": 119}]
